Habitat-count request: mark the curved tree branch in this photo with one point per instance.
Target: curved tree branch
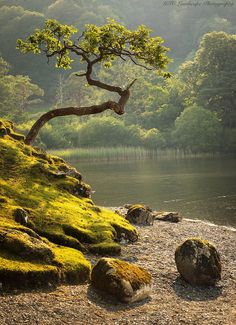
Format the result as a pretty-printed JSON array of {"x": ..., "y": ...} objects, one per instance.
[
  {"x": 78, "y": 111},
  {"x": 118, "y": 108}
]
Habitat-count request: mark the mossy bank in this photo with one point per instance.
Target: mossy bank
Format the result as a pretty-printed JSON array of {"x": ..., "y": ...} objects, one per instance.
[{"x": 47, "y": 218}]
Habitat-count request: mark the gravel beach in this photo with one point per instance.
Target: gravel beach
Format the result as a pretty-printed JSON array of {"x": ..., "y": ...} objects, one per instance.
[{"x": 171, "y": 302}]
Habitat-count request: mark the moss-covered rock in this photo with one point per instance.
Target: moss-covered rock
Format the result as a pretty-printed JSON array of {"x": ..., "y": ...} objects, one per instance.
[
  {"x": 41, "y": 196},
  {"x": 105, "y": 248},
  {"x": 198, "y": 262},
  {"x": 68, "y": 266},
  {"x": 140, "y": 214},
  {"x": 25, "y": 245},
  {"x": 127, "y": 282}
]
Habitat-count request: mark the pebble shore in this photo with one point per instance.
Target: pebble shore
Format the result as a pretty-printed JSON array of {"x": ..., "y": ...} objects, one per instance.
[{"x": 172, "y": 301}]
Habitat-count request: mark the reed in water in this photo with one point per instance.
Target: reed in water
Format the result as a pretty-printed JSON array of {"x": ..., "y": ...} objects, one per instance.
[{"x": 123, "y": 153}]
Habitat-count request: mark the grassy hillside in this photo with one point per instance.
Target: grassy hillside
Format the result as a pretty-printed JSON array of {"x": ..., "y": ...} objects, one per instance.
[{"x": 47, "y": 220}]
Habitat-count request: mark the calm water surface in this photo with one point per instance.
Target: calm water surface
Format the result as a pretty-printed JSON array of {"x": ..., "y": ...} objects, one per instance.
[{"x": 197, "y": 188}]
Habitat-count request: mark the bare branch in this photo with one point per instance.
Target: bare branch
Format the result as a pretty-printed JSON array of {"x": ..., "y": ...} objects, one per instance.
[
  {"x": 80, "y": 74},
  {"x": 131, "y": 84},
  {"x": 80, "y": 37},
  {"x": 140, "y": 65}
]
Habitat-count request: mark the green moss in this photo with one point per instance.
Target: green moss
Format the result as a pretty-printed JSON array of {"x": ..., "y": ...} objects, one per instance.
[
  {"x": 69, "y": 265},
  {"x": 6, "y": 128},
  {"x": 130, "y": 272},
  {"x": 201, "y": 242},
  {"x": 82, "y": 235},
  {"x": 113, "y": 275},
  {"x": 17, "y": 272},
  {"x": 135, "y": 207},
  {"x": 105, "y": 248},
  {"x": 75, "y": 268},
  {"x": 57, "y": 207},
  {"x": 3, "y": 200},
  {"x": 25, "y": 245},
  {"x": 198, "y": 262},
  {"x": 188, "y": 244}
]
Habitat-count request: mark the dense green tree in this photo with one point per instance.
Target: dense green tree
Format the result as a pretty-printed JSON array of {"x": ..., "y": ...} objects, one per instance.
[
  {"x": 95, "y": 45},
  {"x": 211, "y": 76},
  {"x": 23, "y": 91},
  {"x": 168, "y": 104},
  {"x": 98, "y": 131},
  {"x": 16, "y": 93},
  {"x": 153, "y": 139},
  {"x": 197, "y": 130}
]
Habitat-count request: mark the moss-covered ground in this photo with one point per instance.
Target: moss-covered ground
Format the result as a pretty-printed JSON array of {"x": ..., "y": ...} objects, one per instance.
[{"x": 47, "y": 218}]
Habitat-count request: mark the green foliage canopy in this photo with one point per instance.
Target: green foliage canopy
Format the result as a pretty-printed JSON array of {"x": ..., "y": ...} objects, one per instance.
[
  {"x": 211, "y": 76},
  {"x": 97, "y": 44}
]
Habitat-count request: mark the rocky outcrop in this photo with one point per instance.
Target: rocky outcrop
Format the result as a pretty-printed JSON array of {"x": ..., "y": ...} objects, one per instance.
[
  {"x": 198, "y": 262},
  {"x": 127, "y": 282},
  {"x": 6, "y": 128},
  {"x": 47, "y": 218},
  {"x": 26, "y": 246},
  {"x": 140, "y": 215}
]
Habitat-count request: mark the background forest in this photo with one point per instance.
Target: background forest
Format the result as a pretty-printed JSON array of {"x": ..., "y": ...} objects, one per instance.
[{"x": 195, "y": 110}]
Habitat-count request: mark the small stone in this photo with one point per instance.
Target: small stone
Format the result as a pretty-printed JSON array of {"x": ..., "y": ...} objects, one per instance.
[
  {"x": 20, "y": 216},
  {"x": 198, "y": 262},
  {"x": 127, "y": 282},
  {"x": 3, "y": 132}
]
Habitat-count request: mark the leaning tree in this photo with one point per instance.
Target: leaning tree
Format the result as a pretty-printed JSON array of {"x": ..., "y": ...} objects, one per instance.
[{"x": 95, "y": 45}]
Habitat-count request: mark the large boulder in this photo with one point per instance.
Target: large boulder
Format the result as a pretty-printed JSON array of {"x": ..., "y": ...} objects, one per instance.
[
  {"x": 198, "y": 262},
  {"x": 125, "y": 281},
  {"x": 140, "y": 214}
]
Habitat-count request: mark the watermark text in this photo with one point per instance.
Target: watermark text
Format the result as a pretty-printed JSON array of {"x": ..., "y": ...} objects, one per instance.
[{"x": 198, "y": 3}]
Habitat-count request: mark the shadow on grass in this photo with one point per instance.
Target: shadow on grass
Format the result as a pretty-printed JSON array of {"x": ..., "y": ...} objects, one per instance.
[
  {"x": 195, "y": 293},
  {"x": 109, "y": 302}
]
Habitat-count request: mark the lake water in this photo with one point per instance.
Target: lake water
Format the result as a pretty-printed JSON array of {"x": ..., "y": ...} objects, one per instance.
[{"x": 198, "y": 188}]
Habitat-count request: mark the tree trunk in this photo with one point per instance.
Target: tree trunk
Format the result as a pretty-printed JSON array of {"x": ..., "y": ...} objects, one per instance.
[{"x": 79, "y": 111}]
